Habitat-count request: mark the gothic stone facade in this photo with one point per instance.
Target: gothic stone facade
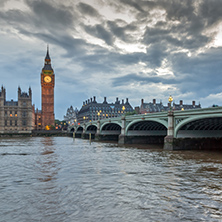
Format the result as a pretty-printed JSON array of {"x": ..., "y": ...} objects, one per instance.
[
  {"x": 71, "y": 116},
  {"x": 46, "y": 116},
  {"x": 47, "y": 86},
  {"x": 16, "y": 116}
]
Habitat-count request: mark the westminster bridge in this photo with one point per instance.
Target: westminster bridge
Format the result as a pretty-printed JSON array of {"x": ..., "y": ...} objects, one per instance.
[{"x": 187, "y": 129}]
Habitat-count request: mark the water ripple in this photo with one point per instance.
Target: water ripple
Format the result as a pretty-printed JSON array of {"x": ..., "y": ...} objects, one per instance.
[{"x": 61, "y": 179}]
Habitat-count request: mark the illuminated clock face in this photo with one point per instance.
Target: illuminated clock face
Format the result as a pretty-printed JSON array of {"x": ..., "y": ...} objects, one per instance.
[{"x": 47, "y": 79}]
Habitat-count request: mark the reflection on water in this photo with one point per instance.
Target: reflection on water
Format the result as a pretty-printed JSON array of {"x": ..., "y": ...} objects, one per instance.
[{"x": 61, "y": 179}]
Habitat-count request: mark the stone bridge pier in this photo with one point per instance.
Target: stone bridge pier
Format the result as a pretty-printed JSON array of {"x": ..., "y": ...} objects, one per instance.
[
  {"x": 97, "y": 135},
  {"x": 196, "y": 131},
  {"x": 169, "y": 139},
  {"x": 122, "y": 136},
  {"x": 142, "y": 131}
]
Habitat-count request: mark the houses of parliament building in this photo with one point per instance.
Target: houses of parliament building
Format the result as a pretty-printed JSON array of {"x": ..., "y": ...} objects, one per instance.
[{"x": 20, "y": 116}]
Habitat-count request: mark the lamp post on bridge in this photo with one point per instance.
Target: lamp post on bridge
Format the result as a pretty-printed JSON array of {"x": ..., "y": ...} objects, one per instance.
[
  {"x": 170, "y": 101},
  {"x": 169, "y": 139},
  {"x": 123, "y": 108},
  {"x": 98, "y": 115}
]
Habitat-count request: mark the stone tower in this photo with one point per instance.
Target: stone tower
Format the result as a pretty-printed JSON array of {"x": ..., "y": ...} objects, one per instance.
[{"x": 47, "y": 86}]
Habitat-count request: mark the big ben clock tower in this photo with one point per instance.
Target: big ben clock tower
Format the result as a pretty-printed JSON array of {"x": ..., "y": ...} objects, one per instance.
[{"x": 47, "y": 86}]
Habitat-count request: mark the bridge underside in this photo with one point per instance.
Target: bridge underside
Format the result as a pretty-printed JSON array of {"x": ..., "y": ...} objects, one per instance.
[
  {"x": 207, "y": 128},
  {"x": 91, "y": 129},
  {"x": 201, "y": 134},
  {"x": 78, "y": 133},
  {"x": 109, "y": 132},
  {"x": 147, "y": 133},
  {"x": 144, "y": 132}
]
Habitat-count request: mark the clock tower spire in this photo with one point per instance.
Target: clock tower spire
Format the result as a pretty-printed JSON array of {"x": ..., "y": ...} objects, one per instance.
[{"x": 47, "y": 86}]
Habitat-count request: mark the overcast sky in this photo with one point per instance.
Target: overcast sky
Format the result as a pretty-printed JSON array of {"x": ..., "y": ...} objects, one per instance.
[{"x": 115, "y": 48}]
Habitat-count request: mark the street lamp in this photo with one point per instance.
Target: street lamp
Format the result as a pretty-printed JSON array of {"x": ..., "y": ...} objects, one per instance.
[
  {"x": 98, "y": 115},
  {"x": 123, "y": 108},
  {"x": 170, "y": 101}
]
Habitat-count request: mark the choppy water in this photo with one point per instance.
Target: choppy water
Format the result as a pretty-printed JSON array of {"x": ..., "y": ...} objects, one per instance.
[{"x": 61, "y": 179}]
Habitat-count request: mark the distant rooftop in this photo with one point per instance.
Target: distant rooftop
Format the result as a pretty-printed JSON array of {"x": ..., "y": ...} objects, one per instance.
[
  {"x": 152, "y": 107},
  {"x": 11, "y": 103}
]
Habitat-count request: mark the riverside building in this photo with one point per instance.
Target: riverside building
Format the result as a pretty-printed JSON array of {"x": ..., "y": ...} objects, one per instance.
[
  {"x": 92, "y": 110},
  {"x": 153, "y": 107},
  {"x": 71, "y": 116},
  {"x": 20, "y": 116},
  {"x": 16, "y": 116}
]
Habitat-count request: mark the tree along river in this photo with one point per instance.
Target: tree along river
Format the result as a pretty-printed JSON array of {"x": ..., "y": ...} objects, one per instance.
[{"x": 62, "y": 179}]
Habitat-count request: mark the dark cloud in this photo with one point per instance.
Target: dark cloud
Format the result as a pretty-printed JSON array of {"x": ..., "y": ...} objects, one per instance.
[
  {"x": 202, "y": 73},
  {"x": 142, "y": 79},
  {"x": 43, "y": 18},
  {"x": 88, "y": 10},
  {"x": 133, "y": 4},
  {"x": 14, "y": 18},
  {"x": 174, "y": 38},
  {"x": 187, "y": 34},
  {"x": 100, "y": 32},
  {"x": 211, "y": 11},
  {"x": 51, "y": 14},
  {"x": 166, "y": 31},
  {"x": 122, "y": 32},
  {"x": 155, "y": 55},
  {"x": 74, "y": 47},
  {"x": 179, "y": 10}
]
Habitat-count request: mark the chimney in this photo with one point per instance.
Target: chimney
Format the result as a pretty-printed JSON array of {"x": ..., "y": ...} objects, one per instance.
[
  {"x": 94, "y": 99},
  {"x": 127, "y": 101},
  {"x": 86, "y": 102},
  {"x": 83, "y": 103},
  {"x": 122, "y": 101},
  {"x": 154, "y": 101},
  {"x": 142, "y": 101},
  {"x": 193, "y": 103},
  {"x": 181, "y": 102},
  {"x": 104, "y": 100},
  {"x": 91, "y": 99},
  {"x": 117, "y": 100}
]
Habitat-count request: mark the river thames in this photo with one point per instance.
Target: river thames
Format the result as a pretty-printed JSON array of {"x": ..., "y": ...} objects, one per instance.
[{"x": 62, "y": 179}]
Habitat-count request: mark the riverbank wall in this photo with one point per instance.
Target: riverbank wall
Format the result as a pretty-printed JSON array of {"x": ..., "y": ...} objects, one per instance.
[
  {"x": 35, "y": 133},
  {"x": 210, "y": 144}
]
